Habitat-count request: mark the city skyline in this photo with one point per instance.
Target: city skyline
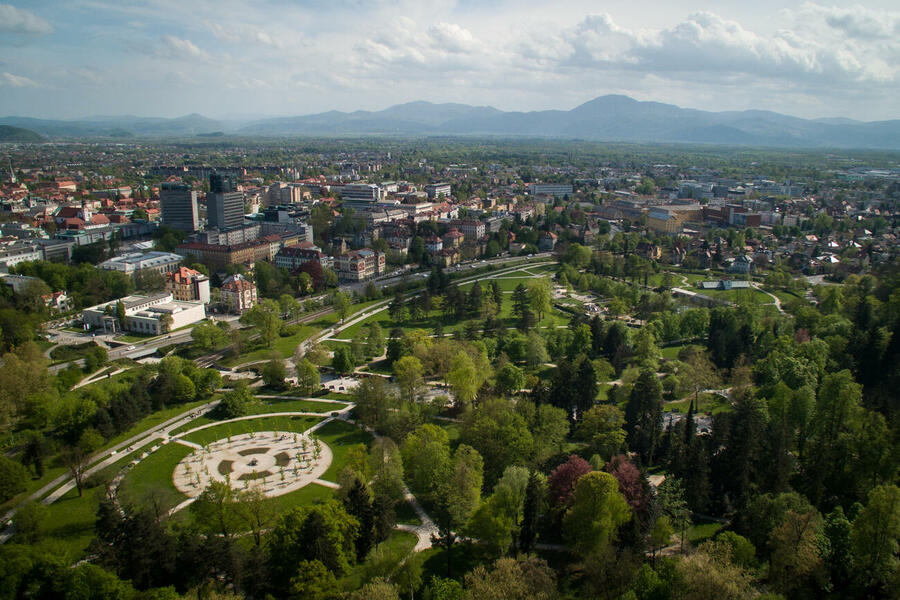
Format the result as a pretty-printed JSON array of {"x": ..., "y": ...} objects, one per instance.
[{"x": 228, "y": 59}]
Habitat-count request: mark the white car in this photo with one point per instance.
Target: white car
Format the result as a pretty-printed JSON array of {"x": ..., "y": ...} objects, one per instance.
[{"x": 130, "y": 347}]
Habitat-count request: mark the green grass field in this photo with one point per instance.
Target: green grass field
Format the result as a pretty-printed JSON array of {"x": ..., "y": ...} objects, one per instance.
[
  {"x": 69, "y": 524},
  {"x": 153, "y": 475},
  {"x": 340, "y": 435},
  {"x": 399, "y": 543},
  {"x": 218, "y": 432}
]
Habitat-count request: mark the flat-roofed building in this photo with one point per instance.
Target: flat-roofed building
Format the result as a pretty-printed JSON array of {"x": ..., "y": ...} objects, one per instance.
[
  {"x": 152, "y": 314},
  {"x": 137, "y": 262},
  {"x": 437, "y": 190}
]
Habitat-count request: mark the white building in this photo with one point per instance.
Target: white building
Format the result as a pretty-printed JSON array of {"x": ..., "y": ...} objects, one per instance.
[
  {"x": 144, "y": 314},
  {"x": 129, "y": 264}
]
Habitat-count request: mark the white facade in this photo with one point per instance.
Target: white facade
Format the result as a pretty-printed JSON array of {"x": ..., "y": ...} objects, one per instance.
[
  {"x": 161, "y": 262},
  {"x": 144, "y": 314}
]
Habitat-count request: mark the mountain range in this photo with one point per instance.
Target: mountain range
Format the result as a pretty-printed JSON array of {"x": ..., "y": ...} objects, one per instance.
[{"x": 607, "y": 118}]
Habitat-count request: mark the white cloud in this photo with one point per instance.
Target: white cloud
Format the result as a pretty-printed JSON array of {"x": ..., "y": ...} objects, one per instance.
[
  {"x": 250, "y": 35},
  {"x": 16, "y": 20},
  {"x": 16, "y": 81},
  {"x": 180, "y": 48}
]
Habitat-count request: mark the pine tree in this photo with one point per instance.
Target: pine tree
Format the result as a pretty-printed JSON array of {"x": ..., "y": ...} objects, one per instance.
[
  {"x": 530, "y": 513},
  {"x": 359, "y": 504}
]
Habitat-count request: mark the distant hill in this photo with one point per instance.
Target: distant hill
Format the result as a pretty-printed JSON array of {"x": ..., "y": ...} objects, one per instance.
[
  {"x": 18, "y": 134},
  {"x": 607, "y": 118},
  {"x": 118, "y": 127}
]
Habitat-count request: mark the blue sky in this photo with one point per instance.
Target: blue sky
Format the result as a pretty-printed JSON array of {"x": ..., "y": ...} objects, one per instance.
[{"x": 226, "y": 58}]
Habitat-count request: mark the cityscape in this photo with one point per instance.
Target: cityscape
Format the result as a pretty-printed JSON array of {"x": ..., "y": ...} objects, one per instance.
[{"x": 645, "y": 348}]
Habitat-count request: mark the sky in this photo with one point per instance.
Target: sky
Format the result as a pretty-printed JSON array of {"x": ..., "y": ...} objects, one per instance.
[{"x": 247, "y": 59}]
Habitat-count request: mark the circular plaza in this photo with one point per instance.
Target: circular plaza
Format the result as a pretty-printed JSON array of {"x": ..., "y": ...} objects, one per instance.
[{"x": 276, "y": 462}]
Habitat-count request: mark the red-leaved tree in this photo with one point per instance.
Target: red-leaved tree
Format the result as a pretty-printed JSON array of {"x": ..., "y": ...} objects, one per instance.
[
  {"x": 561, "y": 482},
  {"x": 631, "y": 483}
]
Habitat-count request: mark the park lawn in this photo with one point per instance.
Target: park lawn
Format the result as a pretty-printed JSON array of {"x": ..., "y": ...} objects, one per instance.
[
  {"x": 267, "y": 405},
  {"x": 399, "y": 542},
  {"x": 671, "y": 352},
  {"x": 308, "y": 494},
  {"x": 154, "y": 475},
  {"x": 211, "y": 434},
  {"x": 336, "y": 396},
  {"x": 751, "y": 295},
  {"x": 784, "y": 295},
  {"x": 451, "y": 427},
  {"x": 107, "y": 473},
  {"x": 699, "y": 533},
  {"x": 465, "y": 557},
  {"x": 68, "y": 352},
  {"x": 507, "y": 282},
  {"x": 282, "y": 345},
  {"x": 340, "y": 436},
  {"x": 712, "y": 403},
  {"x": 69, "y": 524}
]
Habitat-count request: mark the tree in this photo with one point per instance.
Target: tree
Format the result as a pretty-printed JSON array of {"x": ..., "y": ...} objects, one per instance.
[
  {"x": 539, "y": 297},
  {"x": 709, "y": 573},
  {"x": 596, "y": 513},
  {"x": 208, "y": 336},
  {"x": 386, "y": 465},
  {"x": 536, "y": 350},
  {"x": 214, "y": 510},
  {"x": 307, "y": 377},
  {"x": 585, "y": 386},
  {"x": 548, "y": 430},
  {"x": 359, "y": 504},
  {"x": 274, "y": 373},
  {"x": 255, "y": 511},
  {"x": 264, "y": 316},
  {"x": 796, "y": 550},
  {"x": 314, "y": 581},
  {"x": 374, "y": 340},
  {"x": 500, "y": 434},
  {"x": 408, "y": 372},
  {"x": 562, "y": 480},
  {"x": 602, "y": 428},
  {"x": 30, "y": 522},
  {"x": 341, "y": 304},
  {"x": 375, "y": 590},
  {"x": 463, "y": 380},
  {"x": 510, "y": 579},
  {"x": 77, "y": 457},
  {"x": 13, "y": 476},
  {"x": 531, "y": 511},
  {"x": 426, "y": 459},
  {"x": 643, "y": 415},
  {"x": 342, "y": 362},
  {"x": 236, "y": 401},
  {"x": 510, "y": 379},
  {"x": 440, "y": 588},
  {"x": 875, "y": 536},
  {"x": 323, "y": 532},
  {"x": 165, "y": 323},
  {"x": 631, "y": 483}
]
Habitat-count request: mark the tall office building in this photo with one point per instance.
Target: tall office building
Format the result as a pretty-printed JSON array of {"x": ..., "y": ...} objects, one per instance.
[
  {"x": 224, "y": 204},
  {"x": 179, "y": 207}
]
